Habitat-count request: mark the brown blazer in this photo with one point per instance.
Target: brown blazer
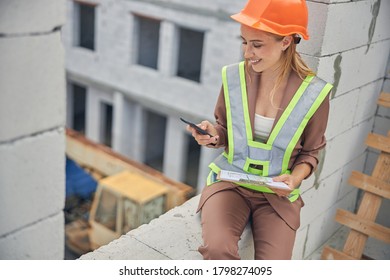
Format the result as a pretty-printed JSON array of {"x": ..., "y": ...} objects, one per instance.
[{"x": 306, "y": 151}]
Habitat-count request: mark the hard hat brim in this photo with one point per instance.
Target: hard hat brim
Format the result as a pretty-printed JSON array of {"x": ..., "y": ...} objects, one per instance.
[{"x": 271, "y": 27}]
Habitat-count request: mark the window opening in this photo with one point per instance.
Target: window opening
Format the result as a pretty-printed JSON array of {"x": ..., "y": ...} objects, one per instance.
[
  {"x": 86, "y": 28},
  {"x": 193, "y": 159},
  {"x": 190, "y": 54},
  {"x": 155, "y": 140},
  {"x": 78, "y": 107},
  {"x": 148, "y": 41},
  {"x": 107, "y": 116}
]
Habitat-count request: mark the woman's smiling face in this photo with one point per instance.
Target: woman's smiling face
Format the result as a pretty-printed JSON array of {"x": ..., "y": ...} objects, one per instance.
[{"x": 261, "y": 49}]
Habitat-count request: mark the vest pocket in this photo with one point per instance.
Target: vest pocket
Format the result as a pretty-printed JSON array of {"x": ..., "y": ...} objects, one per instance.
[{"x": 256, "y": 169}]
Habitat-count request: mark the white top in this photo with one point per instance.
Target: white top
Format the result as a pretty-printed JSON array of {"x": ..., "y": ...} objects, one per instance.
[{"x": 263, "y": 126}]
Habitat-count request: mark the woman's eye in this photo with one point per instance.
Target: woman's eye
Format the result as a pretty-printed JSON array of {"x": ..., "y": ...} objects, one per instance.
[
  {"x": 243, "y": 42},
  {"x": 257, "y": 46}
]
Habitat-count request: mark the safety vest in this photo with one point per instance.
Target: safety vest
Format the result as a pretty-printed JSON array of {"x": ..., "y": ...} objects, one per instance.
[{"x": 247, "y": 155}]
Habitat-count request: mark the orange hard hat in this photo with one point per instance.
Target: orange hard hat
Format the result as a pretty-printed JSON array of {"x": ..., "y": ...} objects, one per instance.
[{"x": 282, "y": 17}]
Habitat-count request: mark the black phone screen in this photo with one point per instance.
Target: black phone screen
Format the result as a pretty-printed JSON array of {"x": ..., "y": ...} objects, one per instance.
[{"x": 198, "y": 129}]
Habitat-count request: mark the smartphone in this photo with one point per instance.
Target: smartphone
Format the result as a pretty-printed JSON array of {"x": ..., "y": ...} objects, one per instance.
[{"x": 198, "y": 129}]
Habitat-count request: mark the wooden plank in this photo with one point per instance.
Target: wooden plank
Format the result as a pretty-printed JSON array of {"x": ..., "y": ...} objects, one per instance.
[
  {"x": 330, "y": 253},
  {"x": 369, "y": 228},
  {"x": 382, "y": 168},
  {"x": 378, "y": 142},
  {"x": 370, "y": 203},
  {"x": 384, "y": 99},
  {"x": 368, "y": 209},
  {"x": 370, "y": 184},
  {"x": 355, "y": 243}
]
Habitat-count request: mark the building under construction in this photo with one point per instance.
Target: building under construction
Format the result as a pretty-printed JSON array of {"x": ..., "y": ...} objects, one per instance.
[{"x": 135, "y": 67}]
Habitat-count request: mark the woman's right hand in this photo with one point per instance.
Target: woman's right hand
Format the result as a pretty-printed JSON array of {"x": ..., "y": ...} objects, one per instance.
[{"x": 204, "y": 140}]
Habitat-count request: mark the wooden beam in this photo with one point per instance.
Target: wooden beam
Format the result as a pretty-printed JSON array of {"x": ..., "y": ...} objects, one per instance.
[
  {"x": 384, "y": 99},
  {"x": 378, "y": 142},
  {"x": 368, "y": 208},
  {"x": 376, "y": 187},
  {"x": 366, "y": 227},
  {"x": 369, "y": 184},
  {"x": 332, "y": 254}
]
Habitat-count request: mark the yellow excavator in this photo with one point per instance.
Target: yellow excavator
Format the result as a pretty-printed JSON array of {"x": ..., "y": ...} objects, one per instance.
[{"x": 128, "y": 194}]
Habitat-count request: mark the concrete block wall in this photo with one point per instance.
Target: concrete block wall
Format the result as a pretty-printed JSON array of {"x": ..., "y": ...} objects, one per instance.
[
  {"x": 352, "y": 53},
  {"x": 32, "y": 116},
  {"x": 176, "y": 235}
]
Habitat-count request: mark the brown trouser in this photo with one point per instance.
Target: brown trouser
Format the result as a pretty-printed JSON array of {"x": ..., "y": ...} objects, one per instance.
[{"x": 224, "y": 217}]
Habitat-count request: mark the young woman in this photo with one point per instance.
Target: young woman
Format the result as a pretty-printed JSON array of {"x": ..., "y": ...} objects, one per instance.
[{"x": 271, "y": 117}]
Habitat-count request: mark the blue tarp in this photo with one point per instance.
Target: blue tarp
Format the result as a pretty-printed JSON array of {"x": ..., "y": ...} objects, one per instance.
[{"x": 78, "y": 182}]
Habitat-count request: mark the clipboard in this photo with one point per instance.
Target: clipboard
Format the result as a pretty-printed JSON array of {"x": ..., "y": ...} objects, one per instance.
[{"x": 245, "y": 178}]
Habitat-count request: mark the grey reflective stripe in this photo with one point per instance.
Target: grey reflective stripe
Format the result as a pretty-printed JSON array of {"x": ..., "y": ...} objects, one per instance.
[
  {"x": 222, "y": 162},
  {"x": 243, "y": 152},
  {"x": 238, "y": 122},
  {"x": 289, "y": 127},
  {"x": 298, "y": 113}
]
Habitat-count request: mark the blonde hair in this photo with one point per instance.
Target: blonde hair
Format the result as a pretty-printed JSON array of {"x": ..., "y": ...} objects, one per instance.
[{"x": 290, "y": 60}]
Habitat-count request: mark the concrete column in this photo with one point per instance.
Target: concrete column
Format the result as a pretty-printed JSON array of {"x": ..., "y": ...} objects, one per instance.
[
  {"x": 32, "y": 140},
  {"x": 75, "y": 10},
  {"x": 176, "y": 149},
  {"x": 207, "y": 155},
  {"x": 168, "y": 49},
  {"x": 69, "y": 105},
  {"x": 134, "y": 127},
  {"x": 137, "y": 127},
  {"x": 94, "y": 113},
  {"x": 92, "y": 116},
  {"x": 134, "y": 35},
  {"x": 123, "y": 135}
]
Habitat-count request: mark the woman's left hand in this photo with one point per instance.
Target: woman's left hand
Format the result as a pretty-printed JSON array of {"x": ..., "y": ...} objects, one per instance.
[
  {"x": 288, "y": 179},
  {"x": 293, "y": 180}
]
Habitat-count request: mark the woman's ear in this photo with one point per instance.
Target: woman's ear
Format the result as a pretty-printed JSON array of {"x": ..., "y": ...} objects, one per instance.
[{"x": 286, "y": 42}]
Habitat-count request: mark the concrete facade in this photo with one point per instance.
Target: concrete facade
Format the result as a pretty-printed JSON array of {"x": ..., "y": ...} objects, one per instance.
[
  {"x": 32, "y": 119},
  {"x": 349, "y": 47}
]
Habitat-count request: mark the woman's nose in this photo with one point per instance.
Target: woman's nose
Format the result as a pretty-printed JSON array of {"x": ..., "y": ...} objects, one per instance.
[{"x": 247, "y": 51}]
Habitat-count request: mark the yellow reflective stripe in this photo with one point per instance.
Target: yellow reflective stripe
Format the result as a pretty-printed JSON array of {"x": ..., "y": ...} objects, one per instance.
[
  {"x": 256, "y": 188},
  {"x": 228, "y": 116},
  {"x": 261, "y": 145},
  {"x": 263, "y": 172},
  {"x": 292, "y": 197},
  {"x": 209, "y": 178},
  {"x": 287, "y": 155},
  {"x": 289, "y": 109},
  {"x": 214, "y": 167},
  {"x": 244, "y": 95}
]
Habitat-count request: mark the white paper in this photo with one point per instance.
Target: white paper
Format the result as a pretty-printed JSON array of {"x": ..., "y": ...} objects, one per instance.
[{"x": 251, "y": 179}]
